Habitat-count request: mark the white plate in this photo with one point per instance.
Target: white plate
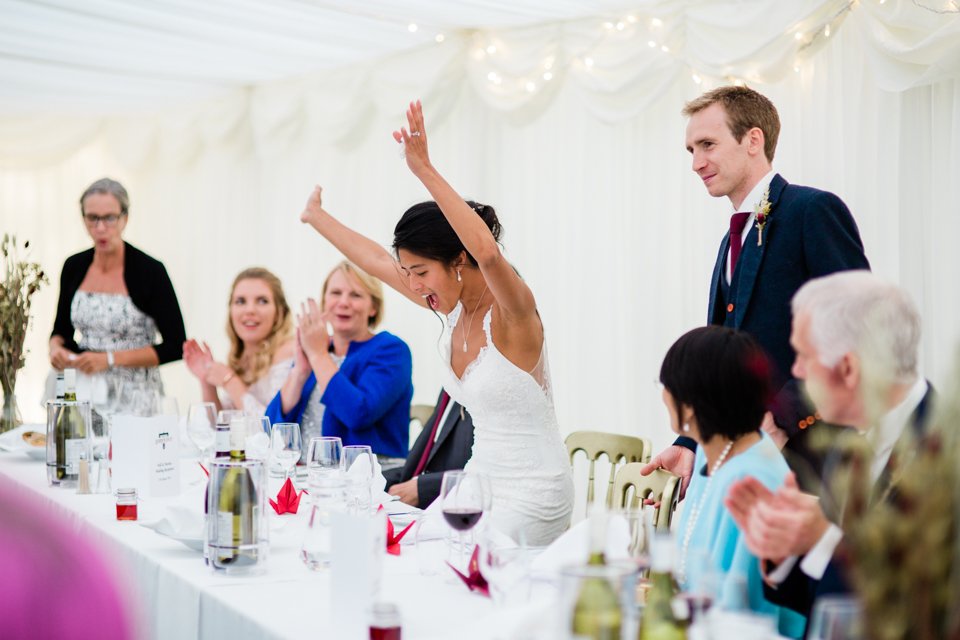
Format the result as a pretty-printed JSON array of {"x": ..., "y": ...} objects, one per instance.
[{"x": 13, "y": 441}]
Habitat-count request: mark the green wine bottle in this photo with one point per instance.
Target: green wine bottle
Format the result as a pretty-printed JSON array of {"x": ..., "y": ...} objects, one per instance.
[
  {"x": 597, "y": 614},
  {"x": 238, "y": 512},
  {"x": 70, "y": 432},
  {"x": 659, "y": 621}
]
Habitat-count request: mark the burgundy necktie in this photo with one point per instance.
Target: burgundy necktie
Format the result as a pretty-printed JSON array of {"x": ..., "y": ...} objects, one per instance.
[
  {"x": 737, "y": 222},
  {"x": 444, "y": 400}
]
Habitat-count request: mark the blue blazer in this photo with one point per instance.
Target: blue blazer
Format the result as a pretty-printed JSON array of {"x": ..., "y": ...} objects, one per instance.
[{"x": 367, "y": 401}]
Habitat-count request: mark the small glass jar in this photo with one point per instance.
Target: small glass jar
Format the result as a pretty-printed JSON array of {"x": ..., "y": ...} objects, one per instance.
[
  {"x": 384, "y": 621},
  {"x": 127, "y": 504}
]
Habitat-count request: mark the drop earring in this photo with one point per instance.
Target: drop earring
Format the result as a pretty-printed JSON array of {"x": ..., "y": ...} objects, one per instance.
[
  {"x": 459, "y": 277},
  {"x": 685, "y": 428}
]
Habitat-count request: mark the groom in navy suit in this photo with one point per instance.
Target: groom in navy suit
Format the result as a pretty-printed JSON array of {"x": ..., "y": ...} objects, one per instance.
[{"x": 781, "y": 235}]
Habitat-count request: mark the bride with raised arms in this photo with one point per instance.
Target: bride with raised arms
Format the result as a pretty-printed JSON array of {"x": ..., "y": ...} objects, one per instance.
[{"x": 493, "y": 348}]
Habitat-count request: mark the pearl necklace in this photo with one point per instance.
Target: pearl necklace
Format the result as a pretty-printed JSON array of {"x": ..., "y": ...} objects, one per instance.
[
  {"x": 466, "y": 331},
  {"x": 695, "y": 514}
]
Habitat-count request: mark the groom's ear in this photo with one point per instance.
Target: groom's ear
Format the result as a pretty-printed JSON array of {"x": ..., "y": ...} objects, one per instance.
[{"x": 755, "y": 141}]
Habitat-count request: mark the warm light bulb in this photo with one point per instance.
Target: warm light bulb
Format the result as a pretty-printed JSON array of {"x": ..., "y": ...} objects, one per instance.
[
  {"x": 621, "y": 26},
  {"x": 697, "y": 79},
  {"x": 493, "y": 77},
  {"x": 548, "y": 76},
  {"x": 652, "y": 44},
  {"x": 798, "y": 36},
  {"x": 440, "y": 37},
  {"x": 656, "y": 23},
  {"x": 531, "y": 87},
  {"x": 548, "y": 62},
  {"x": 826, "y": 31},
  {"x": 631, "y": 18},
  {"x": 588, "y": 62},
  {"x": 665, "y": 49},
  {"x": 608, "y": 25},
  {"x": 412, "y": 28},
  {"x": 491, "y": 49}
]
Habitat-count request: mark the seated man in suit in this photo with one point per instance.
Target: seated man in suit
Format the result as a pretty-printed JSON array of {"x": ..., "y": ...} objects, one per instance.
[
  {"x": 856, "y": 339},
  {"x": 445, "y": 443}
]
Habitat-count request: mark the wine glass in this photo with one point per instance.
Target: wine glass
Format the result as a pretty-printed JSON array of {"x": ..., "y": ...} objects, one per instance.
[
  {"x": 358, "y": 468},
  {"x": 226, "y": 416},
  {"x": 464, "y": 496},
  {"x": 285, "y": 445},
  {"x": 323, "y": 457},
  {"x": 202, "y": 426}
]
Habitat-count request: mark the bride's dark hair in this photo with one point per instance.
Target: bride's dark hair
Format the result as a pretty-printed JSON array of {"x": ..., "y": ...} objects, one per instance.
[{"x": 424, "y": 231}]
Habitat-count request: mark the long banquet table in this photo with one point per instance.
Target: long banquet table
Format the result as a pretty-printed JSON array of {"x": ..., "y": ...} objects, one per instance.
[{"x": 177, "y": 596}]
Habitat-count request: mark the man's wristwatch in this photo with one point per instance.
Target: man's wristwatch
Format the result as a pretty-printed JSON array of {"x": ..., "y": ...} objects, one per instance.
[{"x": 110, "y": 361}]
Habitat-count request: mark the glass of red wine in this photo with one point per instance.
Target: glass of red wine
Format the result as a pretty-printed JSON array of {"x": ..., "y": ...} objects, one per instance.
[{"x": 465, "y": 496}]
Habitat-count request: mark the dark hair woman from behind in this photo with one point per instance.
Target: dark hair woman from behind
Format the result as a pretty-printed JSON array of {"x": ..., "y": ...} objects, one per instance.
[{"x": 716, "y": 384}]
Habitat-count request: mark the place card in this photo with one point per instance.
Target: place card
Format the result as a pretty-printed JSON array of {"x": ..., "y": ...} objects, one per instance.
[{"x": 145, "y": 454}]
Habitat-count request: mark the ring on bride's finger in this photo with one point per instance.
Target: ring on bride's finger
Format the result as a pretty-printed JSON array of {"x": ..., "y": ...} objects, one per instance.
[{"x": 414, "y": 133}]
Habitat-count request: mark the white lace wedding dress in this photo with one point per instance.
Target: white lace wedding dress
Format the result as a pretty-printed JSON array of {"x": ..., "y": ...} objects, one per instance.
[{"x": 517, "y": 441}]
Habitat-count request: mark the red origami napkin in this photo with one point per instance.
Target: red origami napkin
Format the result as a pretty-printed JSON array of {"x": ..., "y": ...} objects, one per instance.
[
  {"x": 288, "y": 500},
  {"x": 393, "y": 539},
  {"x": 474, "y": 579}
]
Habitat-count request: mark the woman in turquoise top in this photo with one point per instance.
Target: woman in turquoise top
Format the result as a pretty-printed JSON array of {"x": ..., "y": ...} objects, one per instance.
[{"x": 716, "y": 385}]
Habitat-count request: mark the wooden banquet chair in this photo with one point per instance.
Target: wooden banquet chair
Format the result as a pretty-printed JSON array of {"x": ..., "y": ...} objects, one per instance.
[
  {"x": 419, "y": 413},
  {"x": 660, "y": 486},
  {"x": 618, "y": 448}
]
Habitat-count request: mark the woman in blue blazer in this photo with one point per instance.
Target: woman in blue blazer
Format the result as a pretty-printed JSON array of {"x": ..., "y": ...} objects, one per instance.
[{"x": 355, "y": 384}]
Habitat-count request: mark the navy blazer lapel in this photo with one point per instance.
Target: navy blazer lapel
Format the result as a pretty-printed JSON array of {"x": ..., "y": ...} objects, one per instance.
[
  {"x": 715, "y": 282},
  {"x": 748, "y": 265}
]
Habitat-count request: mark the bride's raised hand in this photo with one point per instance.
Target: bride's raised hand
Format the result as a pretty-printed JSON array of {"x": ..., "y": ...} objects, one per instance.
[
  {"x": 414, "y": 140},
  {"x": 314, "y": 208}
]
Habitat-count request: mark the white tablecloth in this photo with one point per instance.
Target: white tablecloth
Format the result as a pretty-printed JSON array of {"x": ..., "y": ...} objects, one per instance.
[{"x": 177, "y": 596}]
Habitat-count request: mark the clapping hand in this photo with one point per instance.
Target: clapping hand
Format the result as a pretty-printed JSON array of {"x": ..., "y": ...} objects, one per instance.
[
  {"x": 197, "y": 358},
  {"x": 312, "y": 329},
  {"x": 301, "y": 366},
  {"x": 776, "y": 524},
  {"x": 415, "y": 142}
]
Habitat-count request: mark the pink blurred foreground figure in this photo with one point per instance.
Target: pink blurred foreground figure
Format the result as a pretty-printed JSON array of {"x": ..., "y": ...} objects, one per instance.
[{"x": 53, "y": 582}]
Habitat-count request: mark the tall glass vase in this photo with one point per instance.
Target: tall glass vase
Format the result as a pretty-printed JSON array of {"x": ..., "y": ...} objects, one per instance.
[{"x": 10, "y": 418}]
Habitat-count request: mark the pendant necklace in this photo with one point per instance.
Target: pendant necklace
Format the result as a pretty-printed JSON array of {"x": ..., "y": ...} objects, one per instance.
[{"x": 470, "y": 326}]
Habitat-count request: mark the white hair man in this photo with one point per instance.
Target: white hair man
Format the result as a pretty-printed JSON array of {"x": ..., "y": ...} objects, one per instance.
[{"x": 856, "y": 339}]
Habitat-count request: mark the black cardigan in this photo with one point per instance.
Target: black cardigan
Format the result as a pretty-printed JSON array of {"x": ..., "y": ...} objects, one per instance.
[{"x": 150, "y": 290}]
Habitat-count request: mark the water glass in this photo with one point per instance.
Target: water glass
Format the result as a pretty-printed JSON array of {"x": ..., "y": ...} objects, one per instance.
[
  {"x": 358, "y": 468},
  {"x": 430, "y": 543},
  {"x": 285, "y": 446},
  {"x": 328, "y": 497},
  {"x": 837, "y": 618}
]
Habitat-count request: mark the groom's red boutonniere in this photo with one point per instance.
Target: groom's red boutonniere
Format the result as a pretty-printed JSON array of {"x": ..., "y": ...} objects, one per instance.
[{"x": 762, "y": 212}]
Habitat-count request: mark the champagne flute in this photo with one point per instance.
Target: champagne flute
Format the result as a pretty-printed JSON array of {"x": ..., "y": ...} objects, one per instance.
[
  {"x": 465, "y": 497},
  {"x": 286, "y": 445},
  {"x": 202, "y": 426}
]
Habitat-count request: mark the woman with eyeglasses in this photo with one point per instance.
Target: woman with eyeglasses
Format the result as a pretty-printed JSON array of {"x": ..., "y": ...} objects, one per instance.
[{"x": 120, "y": 300}]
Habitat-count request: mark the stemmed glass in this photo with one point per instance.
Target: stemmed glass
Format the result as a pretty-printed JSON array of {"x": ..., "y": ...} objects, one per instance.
[
  {"x": 836, "y": 618},
  {"x": 286, "y": 445},
  {"x": 358, "y": 472},
  {"x": 465, "y": 497},
  {"x": 202, "y": 426},
  {"x": 323, "y": 456}
]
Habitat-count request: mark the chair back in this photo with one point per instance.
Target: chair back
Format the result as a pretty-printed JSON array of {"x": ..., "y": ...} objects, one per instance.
[
  {"x": 660, "y": 486},
  {"x": 618, "y": 449},
  {"x": 419, "y": 413}
]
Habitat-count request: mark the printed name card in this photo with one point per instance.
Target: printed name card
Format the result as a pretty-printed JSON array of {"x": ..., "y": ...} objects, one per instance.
[
  {"x": 145, "y": 454},
  {"x": 359, "y": 544}
]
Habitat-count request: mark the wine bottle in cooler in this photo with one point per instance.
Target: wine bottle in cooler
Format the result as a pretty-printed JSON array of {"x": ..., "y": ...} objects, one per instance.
[
  {"x": 597, "y": 614},
  {"x": 237, "y": 511},
  {"x": 70, "y": 433}
]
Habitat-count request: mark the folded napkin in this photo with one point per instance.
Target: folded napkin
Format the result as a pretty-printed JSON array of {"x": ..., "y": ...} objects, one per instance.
[
  {"x": 474, "y": 579},
  {"x": 182, "y": 523},
  {"x": 573, "y": 546},
  {"x": 393, "y": 538},
  {"x": 288, "y": 499}
]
